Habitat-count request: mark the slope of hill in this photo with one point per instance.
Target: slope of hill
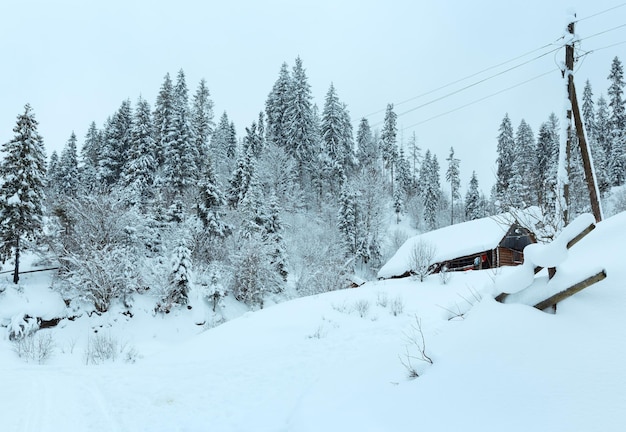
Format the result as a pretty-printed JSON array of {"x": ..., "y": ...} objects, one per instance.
[{"x": 334, "y": 362}]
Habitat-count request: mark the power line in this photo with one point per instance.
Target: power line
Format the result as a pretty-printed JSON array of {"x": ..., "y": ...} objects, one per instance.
[
  {"x": 602, "y": 12},
  {"x": 481, "y": 99},
  {"x": 602, "y": 32},
  {"x": 468, "y": 76},
  {"x": 477, "y": 82}
]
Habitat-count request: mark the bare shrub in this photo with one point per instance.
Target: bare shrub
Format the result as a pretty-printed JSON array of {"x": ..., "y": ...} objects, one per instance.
[
  {"x": 101, "y": 348},
  {"x": 319, "y": 332},
  {"x": 362, "y": 307},
  {"x": 382, "y": 299},
  {"x": 415, "y": 349},
  {"x": 396, "y": 307},
  {"x": 35, "y": 347},
  {"x": 420, "y": 259}
]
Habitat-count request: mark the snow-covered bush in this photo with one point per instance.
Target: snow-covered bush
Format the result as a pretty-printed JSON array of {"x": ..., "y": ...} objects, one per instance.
[
  {"x": 99, "y": 248},
  {"x": 22, "y": 326},
  {"x": 101, "y": 348},
  {"x": 382, "y": 299}
]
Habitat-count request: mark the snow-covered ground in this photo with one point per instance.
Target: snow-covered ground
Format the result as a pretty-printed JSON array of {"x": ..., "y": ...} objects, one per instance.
[{"x": 332, "y": 362}]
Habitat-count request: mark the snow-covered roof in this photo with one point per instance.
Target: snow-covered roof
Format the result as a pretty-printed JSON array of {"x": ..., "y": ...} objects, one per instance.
[{"x": 451, "y": 242}]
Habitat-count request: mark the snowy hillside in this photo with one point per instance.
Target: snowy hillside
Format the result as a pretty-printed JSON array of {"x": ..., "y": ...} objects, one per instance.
[{"x": 333, "y": 362}]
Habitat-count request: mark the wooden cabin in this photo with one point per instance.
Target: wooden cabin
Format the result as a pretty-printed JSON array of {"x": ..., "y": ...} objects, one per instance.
[{"x": 474, "y": 245}]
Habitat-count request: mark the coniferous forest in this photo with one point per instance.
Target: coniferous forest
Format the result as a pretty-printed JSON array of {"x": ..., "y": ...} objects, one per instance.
[{"x": 168, "y": 197}]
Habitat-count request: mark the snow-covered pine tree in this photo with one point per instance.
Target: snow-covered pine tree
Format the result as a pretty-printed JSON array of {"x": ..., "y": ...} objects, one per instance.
[
  {"x": 274, "y": 238},
  {"x": 52, "y": 172},
  {"x": 180, "y": 277},
  {"x": 506, "y": 157},
  {"x": 140, "y": 171},
  {"x": 117, "y": 142},
  {"x": 546, "y": 161},
  {"x": 253, "y": 140},
  {"x": 350, "y": 224},
  {"x": 202, "y": 125},
  {"x": 617, "y": 156},
  {"x": 299, "y": 125},
  {"x": 453, "y": 176},
  {"x": 223, "y": 147},
  {"x": 163, "y": 120},
  {"x": 367, "y": 150},
  {"x": 90, "y": 158},
  {"x": 211, "y": 203},
  {"x": 472, "y": 199},
  {"x": 414, "y": 155},
  {"x": 588, "y": 111},
  {"x": 431, "y": 192},
  {"x": 67, "y": 170},
  {"x": 276, "y": 107},
  {"x": 23, "y": 172},
  {"x": 388, "y": 138},
  {"x": 523, "y": 185},
  {"x": 337, "y": 141},
  {"x": 603, "y": 143},
  {"x": 240, "y": 179},
  {"x": 180, "y": 168}
]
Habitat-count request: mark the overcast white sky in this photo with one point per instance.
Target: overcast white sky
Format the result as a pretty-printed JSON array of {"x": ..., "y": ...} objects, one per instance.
[{"x": 75, "y": 61}]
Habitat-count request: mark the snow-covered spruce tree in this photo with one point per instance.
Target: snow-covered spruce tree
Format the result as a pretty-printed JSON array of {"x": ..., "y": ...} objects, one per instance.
[
  {"x": 23, "y": 172},
  {"x": 274, "y": 238},
  {"x": 414, "y": 155},
  {"x": 240, "y": 179},
  {"x": 90, "y": 157},
  {"x": 523, "y": 185},
  {"x": 431, "y": 192},
  {"x": 52, "y": 173},
  {"x": 336, "y": 132},
  {"x": 388, "y": 137},
  {"x": 591, "y": 129},
  {"x": 367, "y": 148},
  {"x": 299, "y": 125},
  {"x": 506, "y": 156},
  {"x": 223, "y": 148},
  {"x": 404, "y": 179},
  {"x": 546, "y": 162},
  {"x": 453, "y": 176},
  {"x": 179, "y": 278},
  {"x": 253, "y": 140},
  {"x": 472, "y": 199},
  {"x": 348, "y": 222},
  {"x": 180, "y": 169},
  {"x": 588, "y": 111},
  {"x": 276, "y": 107},
  {"x": 117, "y": 143},
  {"x": 163, "y": 120},
  {"x": 202, "y": 124},
  {"x": 617, "y": 156},
  {"x": 211, "y": 204},
  {"x": 67, "y": 170},
  {"x": 603, "y": 144},
  {"x": 140, "y": 170}
]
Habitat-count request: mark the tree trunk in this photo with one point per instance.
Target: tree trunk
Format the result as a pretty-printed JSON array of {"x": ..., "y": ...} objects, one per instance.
[{"x": 16, "y": 272}]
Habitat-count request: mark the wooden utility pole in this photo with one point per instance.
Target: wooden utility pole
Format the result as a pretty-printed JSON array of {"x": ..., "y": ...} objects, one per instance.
[
  {"x": 569, "y": 75},
  {"x": 580, "y": 133},
  {"x": 584, "y": 150}
]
